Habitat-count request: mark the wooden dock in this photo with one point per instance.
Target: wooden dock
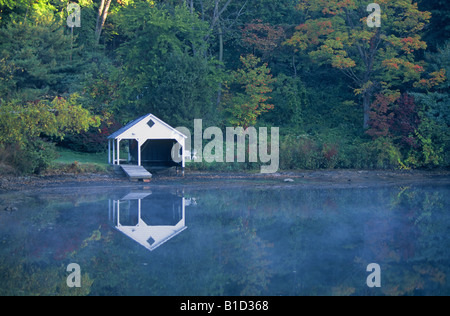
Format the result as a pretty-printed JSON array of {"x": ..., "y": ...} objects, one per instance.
[{"x": 136, "y": 173}]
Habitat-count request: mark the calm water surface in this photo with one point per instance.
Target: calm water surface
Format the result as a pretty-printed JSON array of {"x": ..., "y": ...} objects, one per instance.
[{"x": 255, "y": 241}]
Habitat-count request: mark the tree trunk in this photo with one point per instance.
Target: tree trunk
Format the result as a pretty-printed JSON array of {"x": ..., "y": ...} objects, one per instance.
[
  {"x": 99, "y": 14},
  {"x": 220, "y": 44},
  {"x": 101, "y": 18},
  {"x": 366, "y": 105},
  {"x": 30, "y": 2},
  {"x": 219, "y": 92},
  {"x": 190, "y": 5}
]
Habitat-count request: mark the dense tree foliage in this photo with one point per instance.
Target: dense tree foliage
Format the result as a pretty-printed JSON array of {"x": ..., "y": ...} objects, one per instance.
[
  {"x": 374, "y": 58},
  {"x": 254, "y": 83},
  {"x": 345, "y": 95}
]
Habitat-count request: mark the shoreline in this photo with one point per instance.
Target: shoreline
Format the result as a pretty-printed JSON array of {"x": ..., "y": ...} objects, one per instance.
[{"x": 196, "y": 179}]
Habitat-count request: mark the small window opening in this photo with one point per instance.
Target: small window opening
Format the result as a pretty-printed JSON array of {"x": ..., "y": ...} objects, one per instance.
[{"x": 151, "y": 123}]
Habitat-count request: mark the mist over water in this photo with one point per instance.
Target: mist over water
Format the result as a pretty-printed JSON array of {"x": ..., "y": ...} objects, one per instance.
[{"x": 238, "y": 241}]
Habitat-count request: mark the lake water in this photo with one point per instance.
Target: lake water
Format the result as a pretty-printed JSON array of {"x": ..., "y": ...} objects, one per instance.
[{"x": 230, "y": 241}]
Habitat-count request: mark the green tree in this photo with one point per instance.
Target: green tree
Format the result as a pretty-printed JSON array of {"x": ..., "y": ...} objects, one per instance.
[
  {"x": 436, "y": 102},
  {"x": 24, "y": 126},
  {"x": 246, "y": 102},
  {"x": 438, "y": 30},
  {"x": 290, "y": 99},
  {"x": 221, "y": 16},
  {"x": 21, "y": 122},
  {"x": 163, "y": 65},
  {"x": 36, "y": 59}
]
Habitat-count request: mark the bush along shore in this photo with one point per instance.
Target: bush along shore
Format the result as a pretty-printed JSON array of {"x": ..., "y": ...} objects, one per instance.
[{"x": 301, "y": 163}]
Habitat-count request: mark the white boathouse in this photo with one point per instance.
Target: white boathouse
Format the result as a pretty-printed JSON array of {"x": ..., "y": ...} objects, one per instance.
[{"x": 151, "y": 143}]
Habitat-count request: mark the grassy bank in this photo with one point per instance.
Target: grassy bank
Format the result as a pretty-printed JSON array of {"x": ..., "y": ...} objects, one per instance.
[
  {"x": 70, "y": 161},
  {"x": 67, "y": 156}
]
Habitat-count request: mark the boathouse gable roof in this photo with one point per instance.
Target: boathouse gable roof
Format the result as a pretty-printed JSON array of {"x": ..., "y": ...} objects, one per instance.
[{"x": 147, "y": 127}]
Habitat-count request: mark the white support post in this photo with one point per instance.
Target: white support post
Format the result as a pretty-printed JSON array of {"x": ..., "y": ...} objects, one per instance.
[
  {"x": 139, "y": 153},
  {"x": 183, "y": 216},
  {"x": 114, "y": 151},
  {"x": 114, "y": 211},
  {"x": 183, "y": 154},
  {"x": 109, "y": 152},
  {"x": 118, "y": 152},
  {"x": 118, "y": 213},
  {"x": 129, "y": 153},
  {"x": 139, "y": 211}
]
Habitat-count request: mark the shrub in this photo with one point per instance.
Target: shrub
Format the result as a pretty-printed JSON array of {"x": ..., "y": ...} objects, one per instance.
[
  {"x": 308, "y": 153},
  {"x": 6, "y": 158},
  {"x": 430, "y": 151},
  {"x": 303, "y": 152},
  {"x": 387, "y": 155},
  {"x": 331, "y": 154},
  {"x": 93, "y": 140},
  {"x": 35, "y": 157}
]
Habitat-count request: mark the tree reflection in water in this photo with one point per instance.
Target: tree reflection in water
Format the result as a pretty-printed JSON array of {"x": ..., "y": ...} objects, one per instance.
[{"x": 255, "y": 241}]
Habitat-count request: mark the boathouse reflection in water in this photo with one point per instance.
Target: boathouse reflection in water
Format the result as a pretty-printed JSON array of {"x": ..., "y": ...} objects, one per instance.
[{"x": 149, "y": 219}]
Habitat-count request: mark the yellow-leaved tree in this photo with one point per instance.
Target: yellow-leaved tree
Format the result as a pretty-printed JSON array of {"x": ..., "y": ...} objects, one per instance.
[
  {"x": 24, "y": 125},
  {"x": 377, "y": 58}
]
